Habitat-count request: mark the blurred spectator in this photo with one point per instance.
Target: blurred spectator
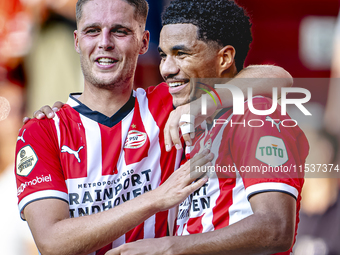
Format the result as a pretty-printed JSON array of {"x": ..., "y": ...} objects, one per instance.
[
  {"x": 52, "y": 66},
  {"x": 319, "y": 227},
  {"x": 15, "y": 237},
  {"x": 332, "y": 120}
]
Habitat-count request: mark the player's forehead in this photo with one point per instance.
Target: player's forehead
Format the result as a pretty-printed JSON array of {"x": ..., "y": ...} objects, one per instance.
[
  {"x": 107, "y": 12},
  {"x": 178, "y": 34}
]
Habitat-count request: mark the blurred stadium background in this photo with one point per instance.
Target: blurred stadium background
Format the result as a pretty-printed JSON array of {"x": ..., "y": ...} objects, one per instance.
[{"x": 39, "y": 66}]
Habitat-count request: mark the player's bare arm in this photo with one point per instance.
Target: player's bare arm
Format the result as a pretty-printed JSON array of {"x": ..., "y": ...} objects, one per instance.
[
  {"x": 50, "y": 222},
  {"x": 252, "y": 76},
  {"x": 269, "y": 230}
]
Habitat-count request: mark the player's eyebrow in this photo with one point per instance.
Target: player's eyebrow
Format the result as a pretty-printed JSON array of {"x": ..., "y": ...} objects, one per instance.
[
  {"x": 180, "y": 47},
  {"x": 115, "y": 26},
  {"x": 176, "y": 48},
  {"x": 91, "y": 25}
]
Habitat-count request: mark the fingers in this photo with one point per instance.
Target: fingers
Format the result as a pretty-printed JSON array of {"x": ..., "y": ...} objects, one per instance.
[
  {"x": 113, "y": 252},
  {"x": 39, "y": 115},
  {"x": 25, "y": 120},
  {"x": 198, "y": 172},
  {"x": 171, "y": 132},
  {"x": 57, "y": 106},
  {"x": 201, "y": 158},
  {"x": 176, "y": 118},
  {"x": 44, "y": 111},
  {"x": 187, "y": 138},
  {"x": 200, "y": 164},
  {"x": 167, "y": 138},
  {"x": 196, "y": 167},
  {"x": 195, "y": 185},
  {"x": 174, "y": 134}
]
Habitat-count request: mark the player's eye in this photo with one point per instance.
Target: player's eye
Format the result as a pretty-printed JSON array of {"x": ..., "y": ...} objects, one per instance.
[
  {"x": 120, "y": 31},
  {"x": 92, "y": 31},
  {"x": 181, "y": 53},
  {"x": 162, "y": 55}
]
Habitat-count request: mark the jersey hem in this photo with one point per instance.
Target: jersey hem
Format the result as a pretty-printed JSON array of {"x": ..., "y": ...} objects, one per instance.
[
  {"x": 44, "y": 194},
  {"x": 271, "y": 186}
]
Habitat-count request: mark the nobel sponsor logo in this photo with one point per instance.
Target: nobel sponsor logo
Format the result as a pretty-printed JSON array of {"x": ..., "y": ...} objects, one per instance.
[
  {"x": 35, "y": 181},
  {"x": 135, "y": 139},
  {"x": 26, "y": 161}
]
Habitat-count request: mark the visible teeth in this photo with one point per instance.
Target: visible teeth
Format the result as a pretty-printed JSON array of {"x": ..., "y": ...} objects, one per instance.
[
  {"x": 176, "y": 84},
  {"x": 105, "y": 61}
]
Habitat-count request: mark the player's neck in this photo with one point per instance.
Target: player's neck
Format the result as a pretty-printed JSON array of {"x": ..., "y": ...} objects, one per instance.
[{"x": 105, "y": 101}]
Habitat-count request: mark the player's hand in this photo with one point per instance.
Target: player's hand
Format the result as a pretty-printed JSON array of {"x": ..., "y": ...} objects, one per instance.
[
  {"x": 174, "y": 123},
  {"x": 182, "y": 182},
  {"x": 45, "y": 111},
  {"x": 152, "y": 246}
]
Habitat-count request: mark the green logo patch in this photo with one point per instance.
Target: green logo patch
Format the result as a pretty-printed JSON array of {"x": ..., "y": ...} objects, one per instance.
[{"x": 272, "y": 151}]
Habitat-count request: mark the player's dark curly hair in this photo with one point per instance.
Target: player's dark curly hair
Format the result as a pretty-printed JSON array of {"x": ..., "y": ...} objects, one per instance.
[{"x": 220, "y": 21}]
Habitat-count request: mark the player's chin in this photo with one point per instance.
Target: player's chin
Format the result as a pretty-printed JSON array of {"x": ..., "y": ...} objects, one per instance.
[{"x": 178, "y": 101}]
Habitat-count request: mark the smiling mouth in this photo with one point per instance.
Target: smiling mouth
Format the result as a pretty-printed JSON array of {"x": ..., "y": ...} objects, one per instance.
[
  {"x": 176, "y": 84},
  {"x": 106, "y": 61}
]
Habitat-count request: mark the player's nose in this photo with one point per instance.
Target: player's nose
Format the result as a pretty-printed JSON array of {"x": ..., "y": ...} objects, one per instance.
[
  {"x": 106, "y": 41},
  {"x": 169, "y": 67}
]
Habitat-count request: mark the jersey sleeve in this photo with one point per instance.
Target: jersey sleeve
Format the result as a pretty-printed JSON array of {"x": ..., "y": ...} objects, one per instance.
[
  {"x": 37, "y": 165},
  {"x": 269, "y": 151}
]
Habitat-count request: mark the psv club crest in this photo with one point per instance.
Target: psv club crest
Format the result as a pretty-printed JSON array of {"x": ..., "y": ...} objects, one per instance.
[{"x": 135, "y": 139}]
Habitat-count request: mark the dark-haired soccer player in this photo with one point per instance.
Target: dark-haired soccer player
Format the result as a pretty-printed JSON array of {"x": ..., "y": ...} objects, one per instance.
[
  {"x": 84, "y": 162},
  {"x": 235, "y": 212}
]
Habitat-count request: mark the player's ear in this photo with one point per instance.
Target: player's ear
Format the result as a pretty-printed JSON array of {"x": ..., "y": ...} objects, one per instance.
[
  {"x": 226, "y": 58},
  {"x": 76, "y": 41},
  {"x": 145, "y": 42}
]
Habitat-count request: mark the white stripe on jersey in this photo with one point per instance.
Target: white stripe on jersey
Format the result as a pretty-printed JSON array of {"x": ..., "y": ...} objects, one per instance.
[
  {"x": 149, "y": 227},
  {"x": 172, "y": 212},
  {"x": 71, "y": 102},
  {"x": 272, "y": 186},
  {"x": 94, "y": 148},
  {"x": 56, "y": 123},
  {"x": 42, "y": 195},
  {"x": 241, "y": 207},
  {"x": 119, "y": 241},
  {"x": 152, "y": 131}
]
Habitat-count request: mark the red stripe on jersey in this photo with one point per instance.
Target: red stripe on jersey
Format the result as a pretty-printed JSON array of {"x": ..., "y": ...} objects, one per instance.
[
  {"x": 105, "y": 249},
  {"x": 195, "y": 225},
  {"x": 224, "y": 201},
  {"x": 74, "y": 125},
  {"x": 135, "y": 234},
  {"x": 160, "y": 104},
  {"x": 161, "y": 220},
  {"x": 111, "y": 143}
]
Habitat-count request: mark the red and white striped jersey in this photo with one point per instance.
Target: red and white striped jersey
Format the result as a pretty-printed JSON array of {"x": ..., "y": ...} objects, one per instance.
[
  {"x": 244, "y": 147},
  {"x": 94, "y": 162}
]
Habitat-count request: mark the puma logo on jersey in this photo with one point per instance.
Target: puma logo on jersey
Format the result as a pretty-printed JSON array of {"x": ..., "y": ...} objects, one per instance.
[
  {"x": 72, "y": 152},
  {"x": 22, "y": 137},
  {"x": 275, "y": 123}
]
